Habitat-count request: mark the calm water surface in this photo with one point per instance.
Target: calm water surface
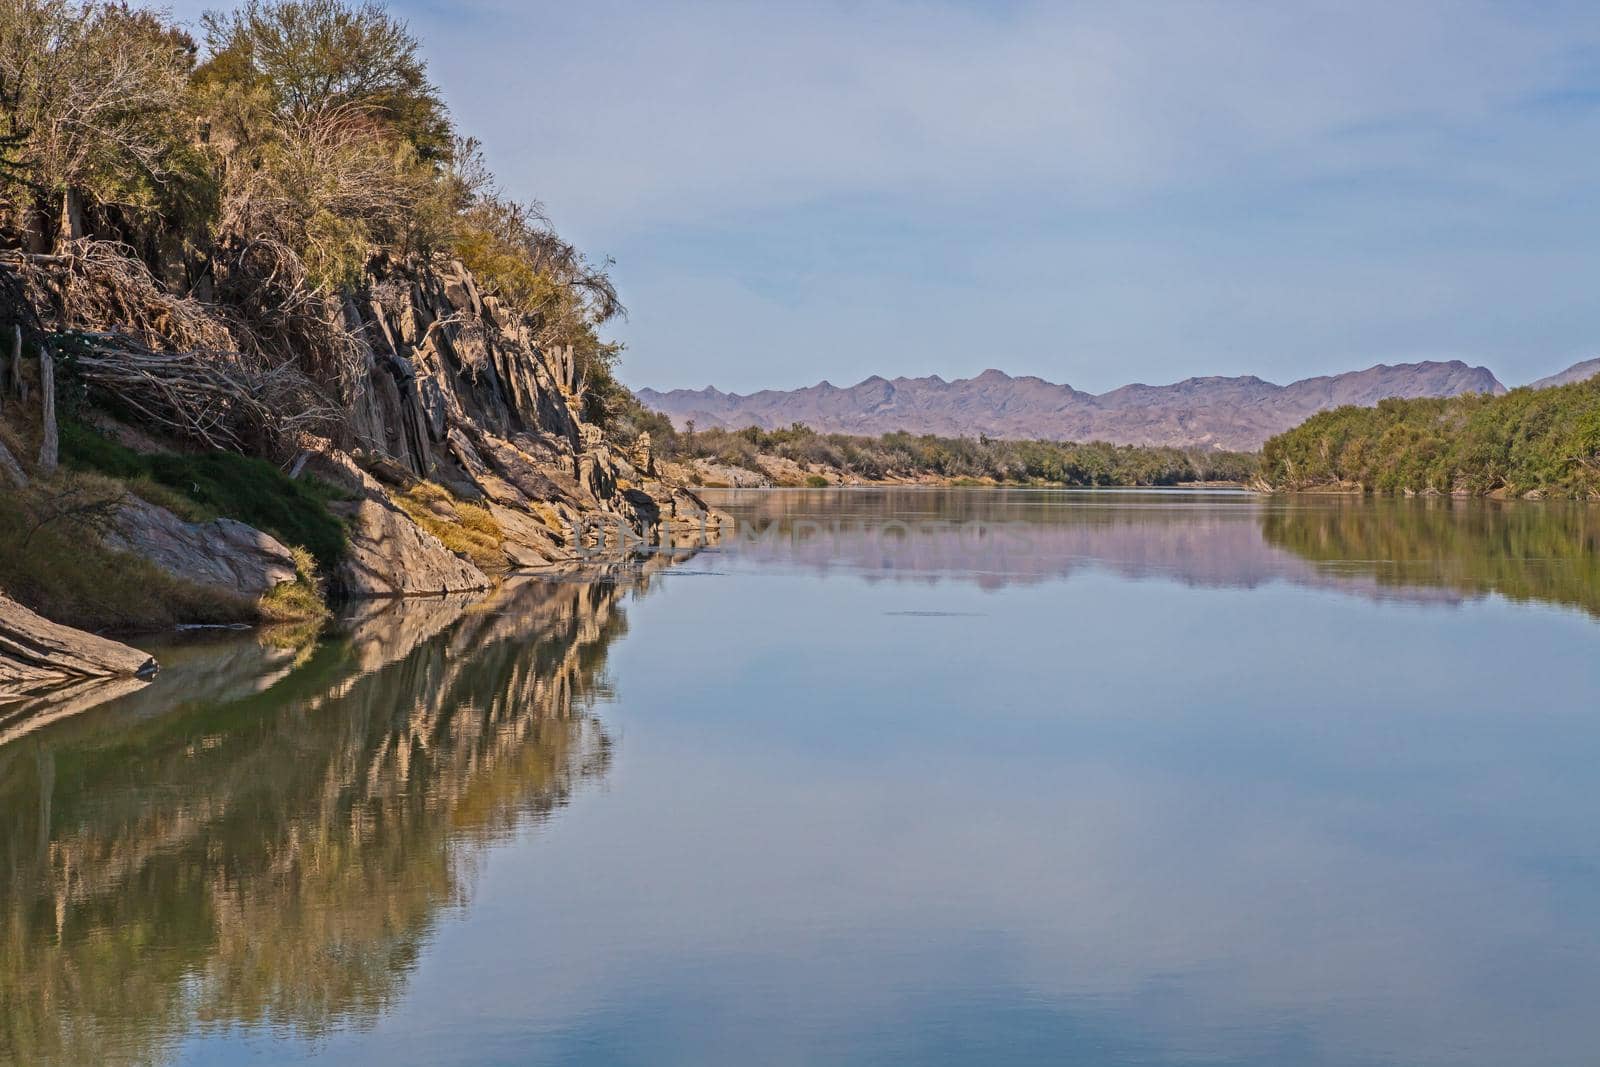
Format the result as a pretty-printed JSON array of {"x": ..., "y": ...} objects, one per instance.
[{"x": 899, "y": 776}]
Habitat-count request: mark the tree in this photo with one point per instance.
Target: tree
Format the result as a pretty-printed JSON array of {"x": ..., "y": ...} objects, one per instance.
[
  {"x": 326, "y": 188},
  {"x": 310, "y": 56},
  {"x": 91, "y": 107},
  {"x": 329, "y": 140}
]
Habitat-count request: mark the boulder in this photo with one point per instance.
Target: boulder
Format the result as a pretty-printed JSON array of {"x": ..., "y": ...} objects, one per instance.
[
  {"x": 388, "y": 554},
  {"x": 36, "y": 652},
  {"x": 221, "y": 554},
  {"x": 530, "y": 544},
  {"x": 643, "y": 455}
]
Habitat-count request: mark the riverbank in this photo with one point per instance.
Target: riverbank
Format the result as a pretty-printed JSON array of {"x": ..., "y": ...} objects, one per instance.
[
  {"x": 799, "y": 456},
  {"x": 715, "y": 476},
  {"x": 445, "y": 482}
]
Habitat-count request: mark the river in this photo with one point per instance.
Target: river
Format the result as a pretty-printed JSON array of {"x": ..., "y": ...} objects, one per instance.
[{"x": 890, "y": 776}]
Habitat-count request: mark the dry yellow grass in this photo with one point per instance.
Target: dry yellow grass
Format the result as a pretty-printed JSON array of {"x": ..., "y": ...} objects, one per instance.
[
  {"x": 466, "y": 529},
  {"x": 298, "y": 601}
]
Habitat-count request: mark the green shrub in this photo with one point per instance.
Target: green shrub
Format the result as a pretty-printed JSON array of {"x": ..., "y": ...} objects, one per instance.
[
  {"x": 220, "y": 484},
  {"x": 957, "y": 458},
  {"x": 1529, "y": 439}
]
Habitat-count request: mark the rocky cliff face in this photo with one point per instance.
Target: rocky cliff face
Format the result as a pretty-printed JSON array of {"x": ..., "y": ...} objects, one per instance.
[
  {"x": 457, "y": 393},
  {"x": 413, "y": 376},
  {"x": 442, "y": 358},
  {"x": 444, "y": 387},
  {"x": 1232, "y": 413}
]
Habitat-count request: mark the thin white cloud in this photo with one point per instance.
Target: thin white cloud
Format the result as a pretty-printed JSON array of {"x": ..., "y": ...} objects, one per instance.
[
  {"x": 1091, "y": 192},
  {"x": 630, "y": 112}
]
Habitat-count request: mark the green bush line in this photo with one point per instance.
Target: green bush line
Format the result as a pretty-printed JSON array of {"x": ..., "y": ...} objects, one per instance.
[
  {"x": 1529, "y": 440},
  {"x": 911, "y": 455}
]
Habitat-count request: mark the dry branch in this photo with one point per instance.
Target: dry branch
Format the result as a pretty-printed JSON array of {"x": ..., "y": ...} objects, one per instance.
[
  {"x": 277, "y": 315},
  {"x": 50, "y": 440},
  {"x": 175, "y": 361},
  {"x": 219, "y": 398},
  {"x": 95, "y": 285}
]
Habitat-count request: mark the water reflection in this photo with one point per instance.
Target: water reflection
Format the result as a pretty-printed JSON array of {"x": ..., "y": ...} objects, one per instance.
[
  {"x": 1138, "y": 816},
  {"x": 1547, "y": 551},
  {"x": 1425, "y": 550},
  {"x": 268, "y": 834}
]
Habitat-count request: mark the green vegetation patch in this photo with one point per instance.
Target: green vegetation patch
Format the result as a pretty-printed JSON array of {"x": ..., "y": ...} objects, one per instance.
[
  {"x": 52, "y": 561},
  {"x": 1544, "y": 440},
  {"x": 219, "y": 484}
]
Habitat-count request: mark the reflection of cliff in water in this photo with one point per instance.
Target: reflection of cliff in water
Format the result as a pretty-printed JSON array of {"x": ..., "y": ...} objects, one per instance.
[
  {"x": 1428, "y": 551},
  {"x": 1006, "y": 537},
  {"x": 267, "y": 836}
]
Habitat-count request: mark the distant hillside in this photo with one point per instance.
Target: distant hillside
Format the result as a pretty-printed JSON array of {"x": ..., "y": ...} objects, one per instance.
[
  {"x": 1578, "y": 372},
  {"x": 1226, "y": 413}
]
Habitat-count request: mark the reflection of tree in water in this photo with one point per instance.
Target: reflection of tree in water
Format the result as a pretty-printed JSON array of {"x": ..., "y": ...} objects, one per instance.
[
  {"x": 1521, "y": 550},
  {"x": 1422, "y": 550},
  {"x": 280, "y": 856}
]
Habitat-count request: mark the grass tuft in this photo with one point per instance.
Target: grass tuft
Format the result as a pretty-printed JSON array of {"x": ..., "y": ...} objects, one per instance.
[
  {"x": 466, "y": 529},
  {"x": 300, "y": 600}
]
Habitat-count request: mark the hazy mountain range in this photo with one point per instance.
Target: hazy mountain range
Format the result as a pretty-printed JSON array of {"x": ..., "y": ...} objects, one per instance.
[
  {"x": 1578, "y": 372},
  {"x": 1234, "y": 413}
]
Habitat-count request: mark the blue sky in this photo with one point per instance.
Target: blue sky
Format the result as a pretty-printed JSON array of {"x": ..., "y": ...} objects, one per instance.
[{"x": 1093, "y": 193}]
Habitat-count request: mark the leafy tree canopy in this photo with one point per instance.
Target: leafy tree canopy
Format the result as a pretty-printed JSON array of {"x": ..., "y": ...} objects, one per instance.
[{"x": 311, "y": 56}]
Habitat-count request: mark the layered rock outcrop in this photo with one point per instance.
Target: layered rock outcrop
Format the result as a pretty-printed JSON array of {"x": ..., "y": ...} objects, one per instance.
[
  {"x": 387, "y": 553},
  {"x": 459, "y": 393},
  {"x": 455, "y": 391},
  {"x": 35, "y": 652}
]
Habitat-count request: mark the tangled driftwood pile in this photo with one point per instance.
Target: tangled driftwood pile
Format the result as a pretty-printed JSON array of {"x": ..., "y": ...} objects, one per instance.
[
  {"x": 88, "y": 285},
  {"x": 220, "y": 398},
  {"x": 174, "y": 361}
]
